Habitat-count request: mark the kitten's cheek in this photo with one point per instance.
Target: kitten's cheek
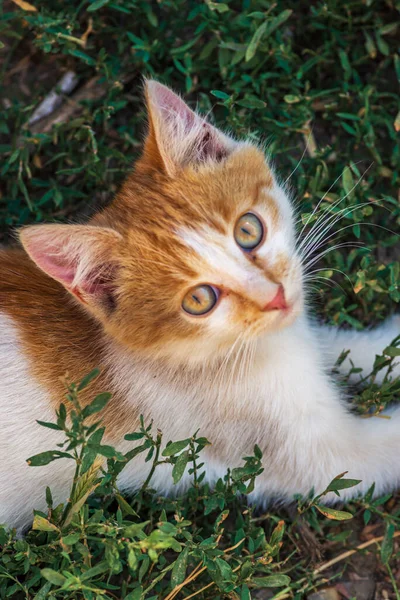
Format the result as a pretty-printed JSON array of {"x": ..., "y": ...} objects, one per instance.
[{"x": 220, "y": 319}]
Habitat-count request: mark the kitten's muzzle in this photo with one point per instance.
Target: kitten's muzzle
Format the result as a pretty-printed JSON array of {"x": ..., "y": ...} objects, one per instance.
[{"x": 278, "y": 302}]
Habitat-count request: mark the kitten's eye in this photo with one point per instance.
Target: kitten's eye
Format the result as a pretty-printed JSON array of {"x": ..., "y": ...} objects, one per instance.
[
  {"x": 200, "y": 300},
  {"x": 249, "y": 231}
]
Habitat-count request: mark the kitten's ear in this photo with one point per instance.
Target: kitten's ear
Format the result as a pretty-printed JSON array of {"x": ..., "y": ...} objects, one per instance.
[
  {"x": 81, "y": 257},
  {"x": 177, "y": 135}
]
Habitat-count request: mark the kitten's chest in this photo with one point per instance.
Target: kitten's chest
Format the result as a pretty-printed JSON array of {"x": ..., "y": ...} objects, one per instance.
[{"x": 244, "y": 398}]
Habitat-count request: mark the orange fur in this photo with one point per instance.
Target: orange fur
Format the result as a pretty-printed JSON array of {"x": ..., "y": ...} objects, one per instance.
[
  {"x": 57, "y": 336},
  {"x": 138, "y": 242}
]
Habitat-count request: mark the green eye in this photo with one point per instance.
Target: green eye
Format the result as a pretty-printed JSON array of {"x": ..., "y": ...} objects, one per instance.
[
  {"x": 249, "y": 231},
  {"x": 200, "y": 300}
]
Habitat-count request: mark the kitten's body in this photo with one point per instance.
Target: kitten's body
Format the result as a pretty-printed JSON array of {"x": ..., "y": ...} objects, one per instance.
[{"x": 274, "y": 392}]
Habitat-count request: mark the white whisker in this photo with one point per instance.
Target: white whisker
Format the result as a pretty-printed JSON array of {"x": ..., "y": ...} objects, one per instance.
[{"x": 300, "y": 160}]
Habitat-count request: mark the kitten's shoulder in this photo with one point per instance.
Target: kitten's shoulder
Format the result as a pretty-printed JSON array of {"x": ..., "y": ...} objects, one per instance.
[{"x": 53, "y": 333}]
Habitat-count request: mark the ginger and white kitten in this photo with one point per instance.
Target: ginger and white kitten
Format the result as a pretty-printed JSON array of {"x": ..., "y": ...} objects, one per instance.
[{"x": 187, "y": 292}]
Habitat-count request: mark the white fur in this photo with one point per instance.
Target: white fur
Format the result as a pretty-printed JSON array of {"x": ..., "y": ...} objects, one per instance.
[
  {"x": 287, "y": 405},
  {"x": 22, "y": 401},
  {"x": 283, "y": 401},
  {"x": 364, "y": 346}
]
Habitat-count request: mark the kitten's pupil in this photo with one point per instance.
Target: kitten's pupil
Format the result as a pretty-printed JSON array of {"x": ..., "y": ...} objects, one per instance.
[
  {"x": 246, "y": 231},
  {"x": 196, "y": 299}
]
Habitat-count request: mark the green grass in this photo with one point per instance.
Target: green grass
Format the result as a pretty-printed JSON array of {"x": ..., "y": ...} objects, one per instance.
[{"x": 292, "y": 74}]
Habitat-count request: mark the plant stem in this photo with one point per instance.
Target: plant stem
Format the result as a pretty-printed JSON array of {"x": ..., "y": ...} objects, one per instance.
[
  {"x": 78, "y": 459},
  {"x": 154, "y": 465},
  {"x": 393, "y": 581}
]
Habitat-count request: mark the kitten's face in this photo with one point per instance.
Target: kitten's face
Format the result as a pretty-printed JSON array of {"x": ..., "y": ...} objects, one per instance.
[
  {"x": 209, "y": 260},
  {"x": 195, "y": 255}
]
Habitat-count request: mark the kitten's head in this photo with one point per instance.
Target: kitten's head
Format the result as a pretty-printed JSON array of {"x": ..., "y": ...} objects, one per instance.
[{"x": 195, "y": 253}]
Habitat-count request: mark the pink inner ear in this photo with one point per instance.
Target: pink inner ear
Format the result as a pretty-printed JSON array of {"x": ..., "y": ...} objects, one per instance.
[
  {"x": 171, "y": 104},
  {"x": 61, "y": 268},
  {"x": 55, "y": 266},
  {"x": 48, "y": 255},
  {"x": 78, "y": 256}
]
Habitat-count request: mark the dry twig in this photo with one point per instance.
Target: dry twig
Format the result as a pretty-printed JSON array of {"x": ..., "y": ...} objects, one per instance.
[{"x": 348, "y": 553}]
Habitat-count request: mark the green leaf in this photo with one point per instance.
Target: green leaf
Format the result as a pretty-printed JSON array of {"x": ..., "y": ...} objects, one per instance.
[
  {"x": 367, "y": 516},
  {"x": 225, "y": 570},
  {"x": 91, "y": 449},
  {"x": 135, "y": 530},
  {"x": 49, "y": 425},
  {"x": 383, "y": 46},
  {"x": 175, "y": 447},
  {"x": 333, "y": 514},
  {"x": 131, "y": 437},
  {"x": 138, "y": 42},
  {"x": 88, "y": 379},
  {"x": 179, "y": 569},
  {"x": 277, "y": 533},
  {"x": 344, "y": 60},
  {"x": 271, "y": 581},
  {"x": 387, "y": 543},
  {"x": 291, "y": 99},
  {"x": 251, "y": 102},
  {"x": 43, "y": 593},
  {"x": 388, "y": 28},
  {"x": 370, "y": 45},
  {"x": 98, "y": 404},
  {"x": 101, "y": 567},
  {"x": 342, "y": 484},
  {"x": 97, "y": 4},
  {"x": 245, "y": 593},
  {"x": 265, "y": 29},
  {"x": 180, "y": 466},
  {"x": 44, "y": 458},
  {"x": 349, "y": 116},
  {"x": 53, "y": 576},
  {"x": 257, "y": 452},
  {"x": 391, "y": 351},
  {"x": 125, "y": 507},
  {"x": 71, "y": 539},
  {"x": 49, "y": 497},
  {"x": 348, "y": 128},
  {"x": 256, "y": 39},
  {"x": 42, "y": 524},
  {"x": 219, "y": 7},
  {"x": 348, "y": 182},
  {"x": 220, "y": 95},
  {"x": 110, "y": 452},
  {"x": 396, "y": 60},
  {"x": 135, "y": 595}
]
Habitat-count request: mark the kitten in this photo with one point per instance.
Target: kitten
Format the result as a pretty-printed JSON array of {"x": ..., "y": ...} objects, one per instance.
[{"x": 187, "y": 292}]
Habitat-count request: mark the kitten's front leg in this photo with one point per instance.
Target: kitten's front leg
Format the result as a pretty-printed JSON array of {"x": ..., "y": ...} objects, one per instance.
[
  {"x": 328, "y": 441},
  {"x": 310, "y": 436},
  {"x": 363, "y": 346}
]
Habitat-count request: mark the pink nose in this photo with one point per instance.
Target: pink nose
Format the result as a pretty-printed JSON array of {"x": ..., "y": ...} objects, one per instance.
[{"x": 277, "y": 303}]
